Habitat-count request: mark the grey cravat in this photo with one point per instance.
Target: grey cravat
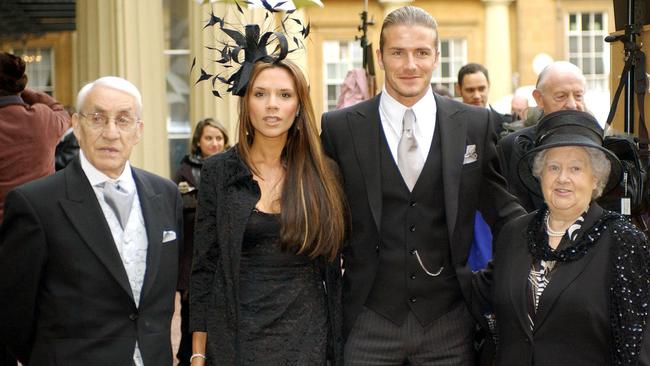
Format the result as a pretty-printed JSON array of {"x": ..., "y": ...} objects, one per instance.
[
  {"x": 409, "y": 158},
  {"x": 119, "y": 200}
]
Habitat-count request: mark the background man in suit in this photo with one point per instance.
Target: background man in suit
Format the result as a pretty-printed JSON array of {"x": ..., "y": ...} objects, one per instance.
[
  {"x": 90, "y": 254},
  {"x": 474, "y": 86},
  {"x": 561, "y": 85},
  {"x": 416, "y": 167}
]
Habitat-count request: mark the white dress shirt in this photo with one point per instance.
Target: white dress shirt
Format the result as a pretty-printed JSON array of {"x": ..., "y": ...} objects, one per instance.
[{"x": 392, "y": 112}]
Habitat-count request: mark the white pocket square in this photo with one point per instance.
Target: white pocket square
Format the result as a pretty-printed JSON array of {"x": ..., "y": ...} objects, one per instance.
[
  {"x": 470, "y": 154},
  {"x": 168, "y": 236}
]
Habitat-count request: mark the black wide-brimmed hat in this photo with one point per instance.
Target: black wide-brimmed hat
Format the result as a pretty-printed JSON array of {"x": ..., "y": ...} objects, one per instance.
[{"x": 567, "y": 128}]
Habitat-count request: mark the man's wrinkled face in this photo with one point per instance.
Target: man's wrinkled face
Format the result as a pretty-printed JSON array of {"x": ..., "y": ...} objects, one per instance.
[{"x": 107, "y": 146}]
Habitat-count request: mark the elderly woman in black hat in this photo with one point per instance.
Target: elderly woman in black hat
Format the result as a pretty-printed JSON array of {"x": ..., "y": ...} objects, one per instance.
[{"x": 570, "y": 282}]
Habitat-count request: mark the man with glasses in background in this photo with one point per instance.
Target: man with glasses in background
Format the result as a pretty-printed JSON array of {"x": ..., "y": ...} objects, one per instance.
[{"x": 90, "y": 254}]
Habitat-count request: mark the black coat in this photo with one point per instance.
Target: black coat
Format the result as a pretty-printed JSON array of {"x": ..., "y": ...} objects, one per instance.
[
  {"x": 65, "y": 298},
  {"x": 510, "y": 149},
  {"x": 572, "y": 324},
  {"x": 227, "y": 196},
  {"x": 189, "y": 172},
  {"x": 350, "y": 136}
]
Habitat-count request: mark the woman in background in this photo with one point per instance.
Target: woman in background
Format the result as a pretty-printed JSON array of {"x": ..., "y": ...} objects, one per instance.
[
  {"x": 265, "y": 285},
  {"x": 209, "y": 138}
]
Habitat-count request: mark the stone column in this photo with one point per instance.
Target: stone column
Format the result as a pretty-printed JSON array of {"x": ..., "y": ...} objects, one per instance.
[
  {"x": 497, "y": 47},
  {"x": 125, "y": 38},
  {"x": 203, "y": 103}
]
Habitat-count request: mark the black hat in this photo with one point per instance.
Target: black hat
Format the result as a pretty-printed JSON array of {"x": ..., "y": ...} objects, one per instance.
[
  {"x": 567, "y": 128},
  {"x": 236, "y": 70},
  {"x": 12, "y": 74}
]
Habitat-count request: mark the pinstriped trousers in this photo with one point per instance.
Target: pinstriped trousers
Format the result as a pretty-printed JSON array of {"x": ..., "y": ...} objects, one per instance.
[{"x": 376, "y": 341}]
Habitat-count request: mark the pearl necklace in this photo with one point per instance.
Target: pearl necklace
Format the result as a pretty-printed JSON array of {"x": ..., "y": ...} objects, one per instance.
[{"x": 551, "y": 232}]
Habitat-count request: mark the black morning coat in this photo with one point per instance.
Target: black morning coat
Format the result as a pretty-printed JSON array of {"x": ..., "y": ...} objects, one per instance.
[
  {"x": 470, "y": 182},
  {"x": 65, "y": 298}
]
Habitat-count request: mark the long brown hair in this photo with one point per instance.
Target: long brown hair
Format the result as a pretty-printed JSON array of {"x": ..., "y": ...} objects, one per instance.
[{"x": 313, "y": 211}]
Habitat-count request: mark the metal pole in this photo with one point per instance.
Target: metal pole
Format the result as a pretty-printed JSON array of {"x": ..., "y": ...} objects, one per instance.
[{"x": 629, "y": 87}]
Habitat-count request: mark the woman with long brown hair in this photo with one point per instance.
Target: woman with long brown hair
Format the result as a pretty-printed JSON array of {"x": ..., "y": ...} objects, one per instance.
[{"x": 265, "y": 285}]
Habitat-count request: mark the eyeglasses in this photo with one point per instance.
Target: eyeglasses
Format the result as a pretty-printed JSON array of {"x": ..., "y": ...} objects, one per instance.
[{"x": 99, "y": 121}]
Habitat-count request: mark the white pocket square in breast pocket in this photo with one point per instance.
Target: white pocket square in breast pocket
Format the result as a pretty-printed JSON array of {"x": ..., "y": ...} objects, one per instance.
[
  {"x": 470, "y": 154},
  {"x": 168, "y": 236}
]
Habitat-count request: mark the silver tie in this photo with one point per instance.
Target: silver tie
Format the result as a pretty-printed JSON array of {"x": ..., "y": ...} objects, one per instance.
[
  {"x": 409, "y": 158},
  {"x": 119, "y": 200}
]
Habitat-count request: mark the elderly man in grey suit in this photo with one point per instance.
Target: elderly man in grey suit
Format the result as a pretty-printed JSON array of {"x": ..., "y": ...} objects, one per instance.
[
  {"x": 89, "y": 255},
  {"x": 416, "y": 167}
]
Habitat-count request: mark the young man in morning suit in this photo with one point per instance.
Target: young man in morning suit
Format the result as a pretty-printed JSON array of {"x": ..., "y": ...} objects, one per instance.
[
  {"x": 412, "y": 196},
  {"x": 90, "y": 254}
]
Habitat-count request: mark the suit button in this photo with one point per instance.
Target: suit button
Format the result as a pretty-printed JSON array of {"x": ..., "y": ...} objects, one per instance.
[
  {"x": 413, "y": 203},
  {"x": 527, "y": 340},
  {"x": 412, "y": 228},
  {"x": 133, "y": 316},
  {"x": 377, "y": 248},
  {"x": 412, "y": 276},
  {"x": 413, "y": 299}
]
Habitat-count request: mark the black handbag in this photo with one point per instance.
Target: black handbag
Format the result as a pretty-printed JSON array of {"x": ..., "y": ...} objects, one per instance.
[{"x": 631, "y": 196}]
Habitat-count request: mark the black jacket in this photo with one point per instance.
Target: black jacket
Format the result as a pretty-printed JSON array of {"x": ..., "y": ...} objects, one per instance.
[
  {"x": 470, "y": 180},
  {"x": 65, "y": 298},
  {"x": 189, "y": 172},
  {"x": 227, "y": 196},
  {"x": 572, "y": 323}
]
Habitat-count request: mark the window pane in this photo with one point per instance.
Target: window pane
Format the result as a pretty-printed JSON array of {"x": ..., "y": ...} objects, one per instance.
[
  {"x": 573, "y": 43},
  {"x": 585, "y": 21},
  {"x": 600, "y": 65},
  {"x": 179, "y": 29},
  {"x": 177, "y": 60},
  {"x": 586, "y": 43},
  {"x": 586, "y": 48},
  {"x": 573, "y": 22},
  {"x": 598, "y": 22},
  {"x": 586, "y": 66},
  {"x": 444, "y": 49},
  {"x": 598, "y": 44},
  {"x": 445, "y": 69},
  {"x": 332, "y": 71},
  {"x": 339, "y": 57}
]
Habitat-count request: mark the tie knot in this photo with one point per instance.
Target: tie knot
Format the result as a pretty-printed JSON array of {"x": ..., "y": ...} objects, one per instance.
[
  {"x": 119, "y": 200},
  {"x": 409, "y": 120},
  {"x": 115, "y": 185}
]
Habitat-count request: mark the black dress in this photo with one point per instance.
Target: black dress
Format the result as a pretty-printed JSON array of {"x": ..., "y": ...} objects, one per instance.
[{"x": 283, "y": 309}]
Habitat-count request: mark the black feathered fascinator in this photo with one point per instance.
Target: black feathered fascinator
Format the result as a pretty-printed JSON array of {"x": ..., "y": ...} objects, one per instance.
[{"x": 242, "y": 49}]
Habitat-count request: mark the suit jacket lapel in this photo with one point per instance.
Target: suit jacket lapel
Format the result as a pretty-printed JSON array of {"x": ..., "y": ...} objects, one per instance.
[
  {"x": 521, "y": 262},
  {"x": 86, "y": 215},
  {"x": 152, "y": 209},
  {"x": 364, "y": 125},
  {"x": 566, "y": 273},
  {"x": 452, "y": 139}
]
